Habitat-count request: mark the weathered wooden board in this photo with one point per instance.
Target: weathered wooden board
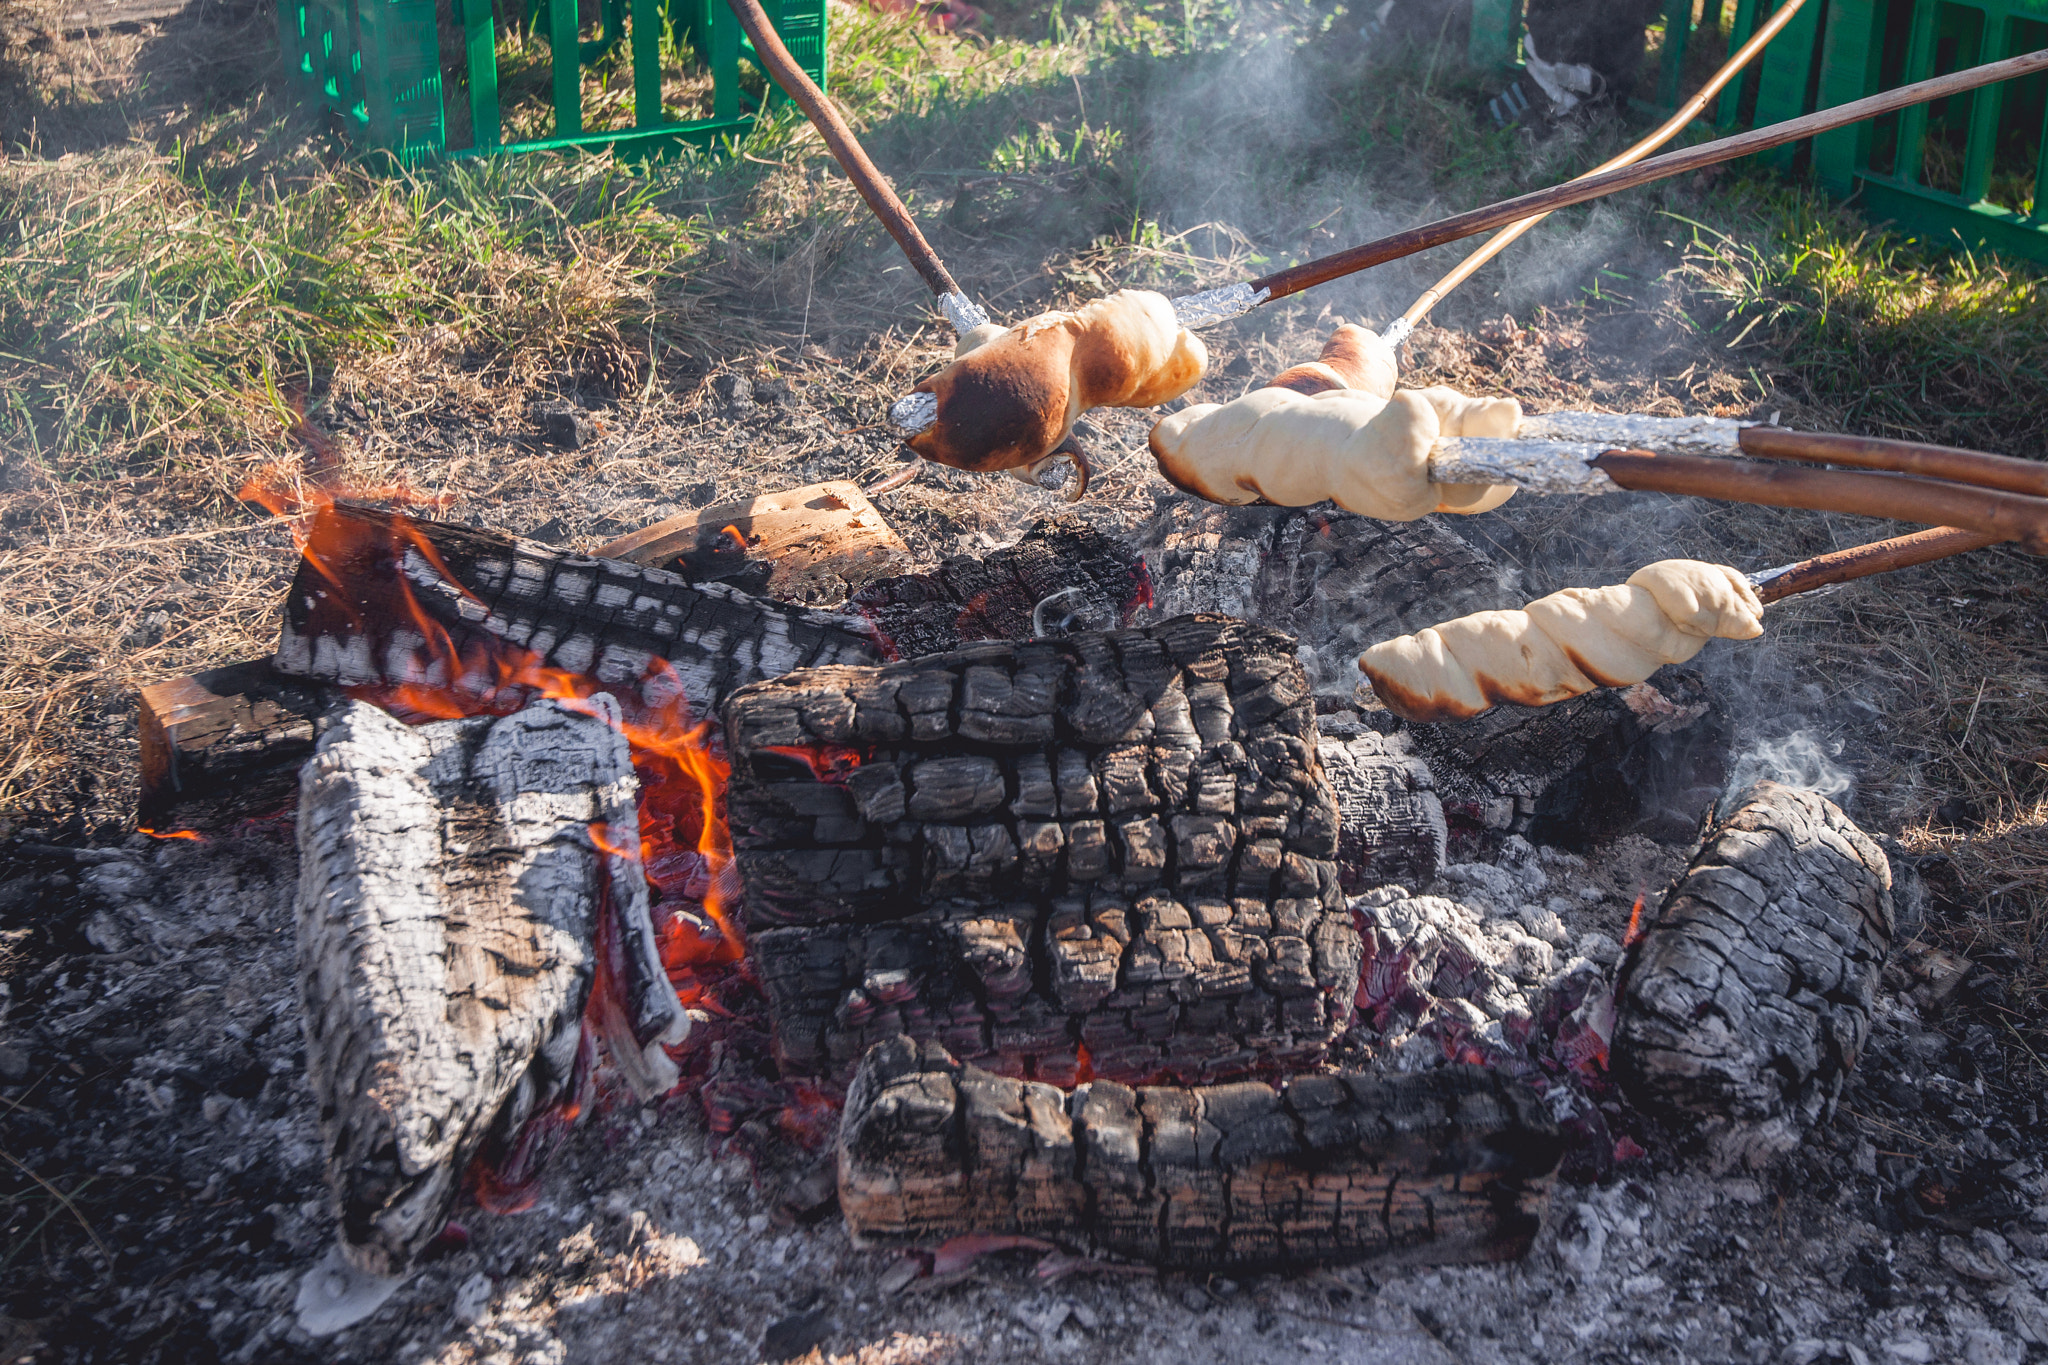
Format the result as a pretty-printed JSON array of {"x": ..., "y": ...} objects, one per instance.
[
  {"x": 814, "y": 544},
  {"x": 1748, "y": 1000},
  {"x": 1108, "y": 853},
  {"x": 1444, "y": 1166}
]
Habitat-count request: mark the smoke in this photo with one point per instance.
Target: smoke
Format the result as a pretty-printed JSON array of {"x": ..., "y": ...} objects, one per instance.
[{"x": 1799, "y": 759}]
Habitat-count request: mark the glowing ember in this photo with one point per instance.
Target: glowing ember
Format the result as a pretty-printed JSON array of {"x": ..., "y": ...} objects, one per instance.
[{"x": 192, "y": 834}]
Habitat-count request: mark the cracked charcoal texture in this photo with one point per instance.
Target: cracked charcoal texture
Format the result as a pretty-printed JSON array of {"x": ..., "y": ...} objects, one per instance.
[
  {"x": 1391, "y": 824},
  {"x": 1109, "y": 854},
  {"x": 1445, "y": 1166},
  {"x": 967, "y": 599},
  {"x": 448, "y": 914},
  {"x": 1748, "y": 1000},
  {"x": 1338, "y": 581},
  {"x": 605, "y": 619}
]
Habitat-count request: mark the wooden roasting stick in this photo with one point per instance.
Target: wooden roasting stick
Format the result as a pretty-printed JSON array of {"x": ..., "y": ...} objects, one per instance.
[
  {"x": 1293, "y": 280},
  {"x": 918, "y": 411},
  {"x": 867, "y": 178},
  {"x": 1663, "y": 133}
]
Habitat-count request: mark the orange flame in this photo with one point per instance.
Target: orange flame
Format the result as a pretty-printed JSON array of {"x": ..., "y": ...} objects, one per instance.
[
  {"x": 1635, "y": 923},
  {"x": 194, "y": 835},
  {"x": 737, "y": 538}
]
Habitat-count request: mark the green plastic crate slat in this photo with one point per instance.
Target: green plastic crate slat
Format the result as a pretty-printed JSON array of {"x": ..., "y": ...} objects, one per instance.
[
  {"x": 376, "y": 65},
  {"x": 1940, "y": 36}
]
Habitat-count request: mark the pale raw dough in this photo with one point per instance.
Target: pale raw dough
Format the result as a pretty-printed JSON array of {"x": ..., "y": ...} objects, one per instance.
[
  {"x": 1565, "y": 644},
  {"x": 1365, "y": 453}
]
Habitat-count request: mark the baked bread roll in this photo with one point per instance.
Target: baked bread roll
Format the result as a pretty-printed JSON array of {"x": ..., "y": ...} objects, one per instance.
[
  {"x": 1565, "y": 644},
  {"x": 1365, "y": 452},
  {"x": 1009, "y": 398},
  {"x": 1353, "y": 358}
]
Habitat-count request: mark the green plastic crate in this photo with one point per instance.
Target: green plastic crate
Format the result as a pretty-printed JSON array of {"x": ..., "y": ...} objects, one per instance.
[
  {"x": 375, "y": 64},
  {"x": 1971, "y": 170}
]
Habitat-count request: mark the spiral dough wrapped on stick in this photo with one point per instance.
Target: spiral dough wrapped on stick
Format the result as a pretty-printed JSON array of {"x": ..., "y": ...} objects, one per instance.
[
  {"x": 1013, "y": 394},
  {"x": 1565, "y": 644}
]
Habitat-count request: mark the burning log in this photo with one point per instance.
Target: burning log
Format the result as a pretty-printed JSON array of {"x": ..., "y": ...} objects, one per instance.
[
  {"x": 1447, "y": 1166},
  {"x": 460, "y": 889},
  {"x": 1746, "y": 1003},
  {"x": 385, "y": 599},
  {"x": 1108, "y": 852},
  {"x": 1066, "y": 563}
]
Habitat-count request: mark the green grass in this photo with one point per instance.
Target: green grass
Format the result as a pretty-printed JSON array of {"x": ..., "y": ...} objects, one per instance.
[{"x": 1891, "y": 338}]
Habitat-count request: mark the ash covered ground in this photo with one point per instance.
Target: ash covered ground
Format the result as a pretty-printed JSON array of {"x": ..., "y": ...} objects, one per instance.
[{"x": 151, "y": 1070}]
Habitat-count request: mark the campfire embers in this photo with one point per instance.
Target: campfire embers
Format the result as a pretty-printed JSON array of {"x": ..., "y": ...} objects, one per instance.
[
  {"x": 1446, "y": 1166},
  {"x": 1062, "y": 575},
  {"x": 384, "y": 599},
  {"x": 1748, "y": 1000},
  {"x": 1105, "y": 855},
  {"x": 462, "y": 885}
]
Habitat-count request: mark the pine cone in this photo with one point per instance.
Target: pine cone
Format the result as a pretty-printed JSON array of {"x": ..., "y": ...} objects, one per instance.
[{"x": 608, "y": 366}]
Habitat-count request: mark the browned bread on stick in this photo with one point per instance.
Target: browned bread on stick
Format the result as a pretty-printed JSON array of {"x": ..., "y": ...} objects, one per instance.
[
  {"x": 1565, "y": 644},
  {"x": 1013, "y": 394}
]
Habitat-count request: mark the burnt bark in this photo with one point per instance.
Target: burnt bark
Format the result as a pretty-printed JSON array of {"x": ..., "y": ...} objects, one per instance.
[
  {"x": 452, "y": 907},
  {"x": 1748, "y": 1000},
  {"x": 1446, "y": 1166},
  {"x": 1096, "y": 582},
  {"x": 1111, "y": 851},
  {"x": 1391, "y": 825},
  {"x": 1336, "y": 580},
  {"x": 223, "y": 744},
  {"x": 382, "y": 598}
]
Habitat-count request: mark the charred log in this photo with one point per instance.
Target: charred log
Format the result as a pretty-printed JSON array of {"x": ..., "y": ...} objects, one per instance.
[
  {"x": 1085, "y": 578},
  {"x": 1390, "y": 823},
  {"x": 1747, "y": 1002},
  {"x": 382, "y": 598},
  {"x": 1111, "y": 851},
  {"x": 224, "y": 744},
  {"x": 1650, "y": 758},
  {"x": 1336, "y": 580},
  {"x": 1447, "y": 1166},
  {"x": 453, "y": 905}
]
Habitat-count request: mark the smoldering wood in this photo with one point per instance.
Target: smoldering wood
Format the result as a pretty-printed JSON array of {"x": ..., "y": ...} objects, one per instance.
[
  {"x": 1391, "y": 826},
  {"x": 375, "y": 583},
  {"x": 1096, "y": 582},
  {"x": 1589, "y": 768},
  {"x": 815, "y": 544},
  {"x": 1746, "y": 1003},
  {"x": 1336, "y": 580},
  {"x": 1445, "y": 1166},
  {"x": 1109, "y": 851},
  {"x": 451, "y": 900},
  {"x": 224, "y": 744}
]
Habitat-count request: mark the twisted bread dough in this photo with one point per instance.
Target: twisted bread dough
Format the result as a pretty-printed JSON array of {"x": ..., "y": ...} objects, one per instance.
[
  {"x": 1565, "y": 644},
  {"x": 1012, "y": 394},
  {"x": 1366, "y": 452}
]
